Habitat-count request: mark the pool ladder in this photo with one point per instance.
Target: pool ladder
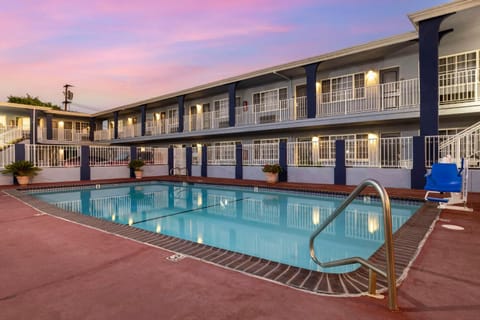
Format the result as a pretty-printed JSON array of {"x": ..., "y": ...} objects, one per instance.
[{"x": 389, "y": 274}]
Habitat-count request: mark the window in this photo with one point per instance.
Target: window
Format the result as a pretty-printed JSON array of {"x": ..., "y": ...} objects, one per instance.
[
  {"x": 270, "y": 100},
  {"x": 343, "y": 88},
  {"x": 457, "y": 77}
]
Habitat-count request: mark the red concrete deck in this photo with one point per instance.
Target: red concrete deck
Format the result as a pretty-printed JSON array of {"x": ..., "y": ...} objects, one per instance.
[{"x": 55, "y": 269}]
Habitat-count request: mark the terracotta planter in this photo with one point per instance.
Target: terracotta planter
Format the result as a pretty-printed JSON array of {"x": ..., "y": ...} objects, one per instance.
[
  {"x": 23, "y": 180},
  {"x": 271, "y": 177},
  {"x": 139, "y": 174}
]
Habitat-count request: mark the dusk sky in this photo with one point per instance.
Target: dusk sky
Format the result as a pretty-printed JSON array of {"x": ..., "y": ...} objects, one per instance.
[{"x": 116, "y": 52}]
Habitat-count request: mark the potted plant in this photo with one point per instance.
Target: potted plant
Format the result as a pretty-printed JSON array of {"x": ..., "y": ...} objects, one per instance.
[
  {"x": 22, "y": 170},
  {"x": 271, "y": 172},
  {"x": 137, "y": 165}
]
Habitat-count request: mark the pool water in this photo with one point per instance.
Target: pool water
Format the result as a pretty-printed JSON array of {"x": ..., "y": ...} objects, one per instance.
[{"x": 271, "y": 224}]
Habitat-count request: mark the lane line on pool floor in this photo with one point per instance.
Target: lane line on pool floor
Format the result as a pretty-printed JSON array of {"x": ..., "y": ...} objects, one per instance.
[{"x": 187, "y": 211}]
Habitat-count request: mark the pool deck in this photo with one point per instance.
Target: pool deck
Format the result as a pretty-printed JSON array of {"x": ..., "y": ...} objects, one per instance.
[{"x": 55, "y": 269}]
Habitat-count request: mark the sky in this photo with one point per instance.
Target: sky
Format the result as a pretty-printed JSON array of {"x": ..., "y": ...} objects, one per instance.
[{"x": 116, "y": 52}]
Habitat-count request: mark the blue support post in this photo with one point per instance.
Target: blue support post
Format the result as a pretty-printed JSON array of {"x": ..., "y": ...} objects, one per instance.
[
  {"x": 311, "y": 73},
  {"x": 188, "y": 160},
  {"x": 204, "y": 161},
  {"x": 49, "y": 121},
  {"x": 238, "y": 162},
  {"x": 429, "y": 37},
  {"x": 282, "y": 160},
  {"x": 417, "y": 174},
  {"x": 91, "y": 135},
  {"x": 33, "y": 126},
  {"x": 19, "y": 156},
  {"x": 85, "y": 163},
  {"x": 143, "y": 119},
  {"x": 181, "y": 112},
  {"x": 115, "y": 125},
  {"x": 232, "y": 95},
  {"x": 170, "y": 160},
  {"x": 340, "y": 171},
  {"x": 19, "y": 152},
  {"x": 133, "y": 156}
]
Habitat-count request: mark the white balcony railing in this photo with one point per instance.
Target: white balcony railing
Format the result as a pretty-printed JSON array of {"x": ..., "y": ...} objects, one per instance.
[
  {"x": 221, "y": 155},
  {"x": 311, "y": 153},
  {"x": 153, "y": 155},
  {"x": 53, "y": 156},
  {"x": 103, "y": 135},
  {"x": 130, "y": 131},
  {"x": 383, "y": 97},
  {"x": 459, "y": 87},
  {"x": 7, "y": 154},
  {"x": 284, "y": 110},
  {"x": 107, "y": 156},
  {"x": 64, "y": 135},
  {"x": 260, "y": 154},
  {"x": 166, "y": 126},
  {"x": 455, "y": 147},
  {"x": 205, "y": 121},
  {"x": 11, "y": 135}
]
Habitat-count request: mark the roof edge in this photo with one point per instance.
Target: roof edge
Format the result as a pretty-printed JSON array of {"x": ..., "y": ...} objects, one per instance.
[
  {"x": 404, "y": 37},
  {"x": 444, "y": 9}
]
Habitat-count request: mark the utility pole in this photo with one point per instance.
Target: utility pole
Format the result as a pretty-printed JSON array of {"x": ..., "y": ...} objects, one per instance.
[{"x": 68, "y": 96}]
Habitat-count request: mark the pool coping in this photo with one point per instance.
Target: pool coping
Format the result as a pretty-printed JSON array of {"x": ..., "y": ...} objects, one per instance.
[{"x": 408, "y": 241}]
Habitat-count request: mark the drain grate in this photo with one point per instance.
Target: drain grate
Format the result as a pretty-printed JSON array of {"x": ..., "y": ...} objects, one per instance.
[{"x": 176, "y": 257}]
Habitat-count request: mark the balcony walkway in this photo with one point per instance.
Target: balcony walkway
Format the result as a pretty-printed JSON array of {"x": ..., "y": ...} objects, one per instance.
[{"x": 55, "y": 269}]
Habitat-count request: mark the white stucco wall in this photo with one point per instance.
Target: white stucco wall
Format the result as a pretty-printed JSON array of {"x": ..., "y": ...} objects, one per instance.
[
  {"x": 253, "y": 173},
  {"x": 57, "y": 175},
  {"x": 6, "y": 180},
  {"x": 323, "y": 175},
  {"x": 395, "y": 178},
  {"x": 221, "y": 172},
  {"x": 155, "y": 170},
  {"x": 196, "y": 171},
  {"x": 97, "y": 173}
]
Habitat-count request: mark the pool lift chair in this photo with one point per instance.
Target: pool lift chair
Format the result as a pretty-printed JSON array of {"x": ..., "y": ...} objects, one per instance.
[{"x": 447, "y": 178}]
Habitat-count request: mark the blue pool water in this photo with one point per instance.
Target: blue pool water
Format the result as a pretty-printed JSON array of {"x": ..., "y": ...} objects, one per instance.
[{"x": 274, "y": 225}]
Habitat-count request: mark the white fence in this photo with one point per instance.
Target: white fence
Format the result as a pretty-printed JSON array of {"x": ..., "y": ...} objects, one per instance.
[
  {"x": 458, "y": 87},
  {"x": 311, "y": 154},
  {"x": 53, "y": 156},
  {"x": 382, "y": 97},
  {"x": 130, "y": 131},
  {"x": 223, "y": 155},
  {"x": 205, "y": 121},
  {"x": 10, "y": 136},
  {"x": 7, "y": 154},
  {"x": 197, "y": 156},
  {"x": 152, "y": 155},
  {"x": 379, "y": 153},
  {"x": 284, "y": 110},
  {"x": 453, "y": 147},
  {"x": 103, "y": 135},
  {"x": 260, "y": 154},
  {"x": 164, "y": 126},
  {"x": 106, "y": 156}
]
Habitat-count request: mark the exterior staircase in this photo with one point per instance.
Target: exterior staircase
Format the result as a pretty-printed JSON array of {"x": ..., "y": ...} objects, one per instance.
[{"x": 465, "y": 144}]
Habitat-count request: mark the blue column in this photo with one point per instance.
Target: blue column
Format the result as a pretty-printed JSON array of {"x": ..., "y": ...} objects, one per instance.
[
  {"x": 143, "y": 118},
  {"x": 49, "y": 126},
  {"x": 170, "y": 160},
  {"x": 311, "y": 73},
  {"x": 33, "y": 126},
  {"x": 115, "y": 125},
  {"x": 417, "y": 174},
  {"x": 93, "y": 126},
  {"x": 133, "y": 156},
  {"x": 428, "y": 37},
  {"x": 238, "y": 162},
  {"x": 19, "y": 152},
  {"x": 282, "y": 160},
  {"x": 85, "y": 163},
  {"x": 204, "y": 160},
  {"x": 19, "y": 156},
  {"x": 181, "y": 112},
  {"x": 232, "y": 95},
  {"x": 340, "y": 171},
  {"x": 188, "y": 160}
]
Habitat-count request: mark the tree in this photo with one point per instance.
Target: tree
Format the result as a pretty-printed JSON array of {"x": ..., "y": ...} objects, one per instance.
[{"x": 32, "y": 101}]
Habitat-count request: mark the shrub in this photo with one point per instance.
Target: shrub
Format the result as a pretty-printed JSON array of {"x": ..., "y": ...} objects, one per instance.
[{"x": 273, "y": 168}]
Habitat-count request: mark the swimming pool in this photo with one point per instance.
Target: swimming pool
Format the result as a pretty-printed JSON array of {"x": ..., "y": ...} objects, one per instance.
[{"x": 271, "y": 224}]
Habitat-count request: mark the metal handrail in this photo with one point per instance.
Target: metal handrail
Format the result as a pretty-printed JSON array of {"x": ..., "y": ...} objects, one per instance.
[
  {"x": 172, "y": 170},
  {"x": 387, "y": 219}
]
